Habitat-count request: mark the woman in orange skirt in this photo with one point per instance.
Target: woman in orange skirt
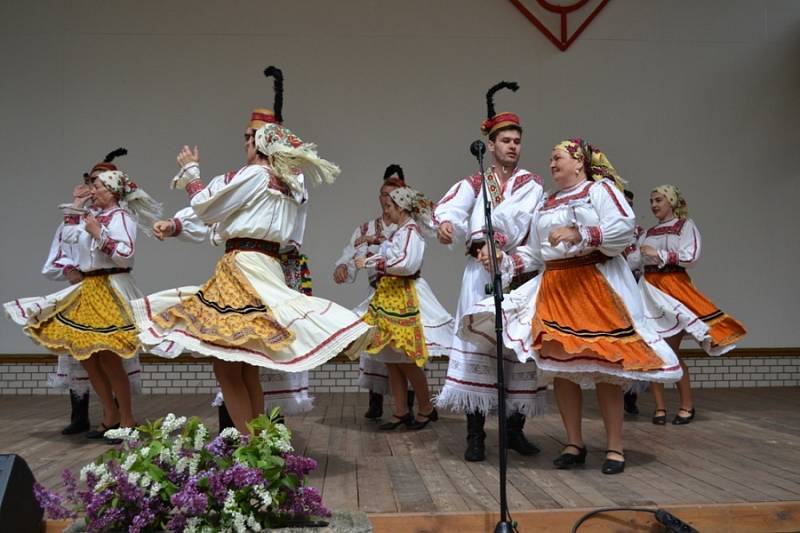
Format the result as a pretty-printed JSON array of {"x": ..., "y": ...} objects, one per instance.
[
  {"x": 581, "y": 320},
  {"x": 670, "y": 298}
]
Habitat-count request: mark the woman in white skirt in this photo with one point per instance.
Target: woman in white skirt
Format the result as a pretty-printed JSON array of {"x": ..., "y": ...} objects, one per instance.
[
  {"x": 671, "y": 299},
  {"x": 410, "y": 323},
  {"x": 245, "y": 316},
  {"x": 92, "y": 320},
  {"x": 581, "y": 319}
]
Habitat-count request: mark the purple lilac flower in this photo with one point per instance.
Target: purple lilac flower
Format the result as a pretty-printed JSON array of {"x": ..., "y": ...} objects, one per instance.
[
  {"x": 125, "y": 489},
  {"x": 305, "y": 502},
  {"x": 51, "y": 502},
  {"x": 189, "y": 499},
  {"x": 240, "y": 476},
  {"x": 219, "y": 447},
  {"x": 298, "y": 465}
]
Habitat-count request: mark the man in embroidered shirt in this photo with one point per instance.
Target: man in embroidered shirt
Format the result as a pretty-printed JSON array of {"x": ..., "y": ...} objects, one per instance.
[{"x": 470, "y": 385}]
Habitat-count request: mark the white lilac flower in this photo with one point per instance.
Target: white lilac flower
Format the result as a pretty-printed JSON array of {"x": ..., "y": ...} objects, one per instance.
[
  {"x": 166, "y": 455},
  {"x": 181, "y": 465},
  {"x": 194, "y": 463},
  {"x": 192, "y": 525},
  {"x": 91, "y": 468},
  {"x": 119, "y": 433},
  {"x": 172, "y": 423},
  {"x": 230, "y": 433},
  {"x": 154, "y": 489},
  {"x": 284, "y": 440},
  {"x": 253, "y": 524},
  {"x": 230, "y": 503},
  {"x": 177, "y": 445},
  {"x": 129, "y": 462},
  {"x": 264, "y": 495},
  {"x": 200, "y": 437},
  {"x": 239, "y": 522},
  {"x": 144, "y": 452},
  {"x": 145, "y": 481},
  {"x": 134, "y": 477}
]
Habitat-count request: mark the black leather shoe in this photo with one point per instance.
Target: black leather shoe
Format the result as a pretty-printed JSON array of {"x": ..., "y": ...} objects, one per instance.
[
  {"x": 681, "y": 420},
  {"x": 100, "y": 433},
  {"x": 375, "y": 406},
  {"x": 397, "y": 421},
  {"x": 565, "y": 461},
  {"x": 612, "y": 466},
  {"x": 660, "y": 420},
  {"x": 476, "y": 437},
  {"x": 433, "y": 416},
  {"x": 516, "y": 438}
]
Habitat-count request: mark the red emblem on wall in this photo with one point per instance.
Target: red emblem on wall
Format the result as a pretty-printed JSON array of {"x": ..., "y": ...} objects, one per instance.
[{"x": 566, "y": 15}]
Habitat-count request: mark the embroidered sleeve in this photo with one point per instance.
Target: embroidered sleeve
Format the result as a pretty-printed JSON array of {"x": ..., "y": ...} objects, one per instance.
[
  {"x": 512, "y": 217},
  {"x": 616, "y": 222},
  {"x": 117, "y": 238}
]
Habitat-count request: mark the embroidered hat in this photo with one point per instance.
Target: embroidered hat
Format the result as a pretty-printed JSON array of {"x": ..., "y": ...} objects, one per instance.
[
  {"x": 106, "y": 163},
  {"x": 495, "y": 121}
]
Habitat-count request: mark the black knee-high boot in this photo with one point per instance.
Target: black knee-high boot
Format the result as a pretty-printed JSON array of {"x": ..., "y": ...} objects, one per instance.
[
  {"x": 225, "y": 420},
  {"x": 476, "y": 437},
  {"x": 410, "y": 401},
  {"x": 516, "y": 438},
  {"x": 375, "y": 405},
  {"x": 79, "y": 418}
]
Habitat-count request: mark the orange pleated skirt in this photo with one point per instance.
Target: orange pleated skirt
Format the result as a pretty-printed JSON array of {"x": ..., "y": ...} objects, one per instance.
[
  {"x": 723, "y": 328},
  {"x": 578, "y": 309}
]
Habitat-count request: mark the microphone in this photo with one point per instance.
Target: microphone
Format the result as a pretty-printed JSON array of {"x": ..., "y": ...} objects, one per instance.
[{"x": 477, "y": 148}]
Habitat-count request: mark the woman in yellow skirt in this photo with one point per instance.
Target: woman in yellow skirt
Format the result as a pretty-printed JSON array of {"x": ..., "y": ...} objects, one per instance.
[
  {"x": 410, "y": 323},
  {"x": 581, "y": 320},
  {"x": 671, "y": 299},
  {"x": 92, "y": 320}
]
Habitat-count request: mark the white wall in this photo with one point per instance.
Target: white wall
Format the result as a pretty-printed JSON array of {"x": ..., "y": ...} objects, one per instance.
[{"x": 704, "y": 94}]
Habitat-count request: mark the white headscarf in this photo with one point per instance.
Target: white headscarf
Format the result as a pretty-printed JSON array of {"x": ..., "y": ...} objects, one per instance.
[
  {"x": 141, "y": 205},
  {"x": 289, "y": 156},
  {"x": 420, "y": 208}
]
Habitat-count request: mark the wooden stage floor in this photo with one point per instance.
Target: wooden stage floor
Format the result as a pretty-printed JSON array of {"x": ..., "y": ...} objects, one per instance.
[{"x": 744, "y": 446}]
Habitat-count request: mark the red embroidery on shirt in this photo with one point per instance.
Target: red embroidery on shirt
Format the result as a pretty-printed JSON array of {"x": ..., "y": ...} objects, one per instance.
[
  {"x": 595, "y": 236},
  {"x": 72, "y": 219},
  {"x": 178, "y": 227},
  {"x": 553, "y": 201},
  {"x": 194, "y": 187},
  {"x": 674, "y": 229},
  {"x": 229, "y": 176},
  {"x": 516, "y": 260},
  {"x": 475, "y": 182},
  {"x": 277, "y": 184},
  {"x": 524, "y": 179},
  {"x": 614, "y": 197}
]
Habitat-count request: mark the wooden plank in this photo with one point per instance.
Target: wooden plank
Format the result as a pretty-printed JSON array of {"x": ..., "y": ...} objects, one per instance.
[
  {"x": 741, "y": 518},
  {"x": 375, "y": 494},
  {"x": 409, "y": 488}
]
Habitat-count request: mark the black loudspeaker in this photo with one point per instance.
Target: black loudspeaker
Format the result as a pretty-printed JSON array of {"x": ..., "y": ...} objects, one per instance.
[{"x": 19, "y": 510}]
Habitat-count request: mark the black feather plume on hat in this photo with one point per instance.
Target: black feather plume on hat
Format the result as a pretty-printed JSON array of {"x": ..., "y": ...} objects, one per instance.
[
  {"x": 490, "y": 95},
  {"x": 277, "y": 106},
  {"x": 393, "y": 169},
  {"x": 114, "y": 154}
]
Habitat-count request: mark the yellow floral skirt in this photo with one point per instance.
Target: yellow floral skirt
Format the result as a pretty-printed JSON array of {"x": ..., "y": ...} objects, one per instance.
[
  {"x": 395, "y": 313},
  {"x": 94, "y": 319},
  {"x": 227, "y": 311}
]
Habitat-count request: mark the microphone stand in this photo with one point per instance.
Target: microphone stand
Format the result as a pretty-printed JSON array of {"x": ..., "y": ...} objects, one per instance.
[{"x": 504, "y": 525}]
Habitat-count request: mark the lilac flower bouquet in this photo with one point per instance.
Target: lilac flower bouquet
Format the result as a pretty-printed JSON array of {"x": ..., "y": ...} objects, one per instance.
[{"x": 170, "y": 475}]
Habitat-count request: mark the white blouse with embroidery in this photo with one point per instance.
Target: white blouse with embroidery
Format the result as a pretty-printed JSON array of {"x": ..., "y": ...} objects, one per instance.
[
  {"x": 596, "y": 209},
  {"x": 677, "y": 241},
  {"x": 114, "y": 249},
  {"x": 250, "y": 203},
  {"x": 190, "y": 227}
]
